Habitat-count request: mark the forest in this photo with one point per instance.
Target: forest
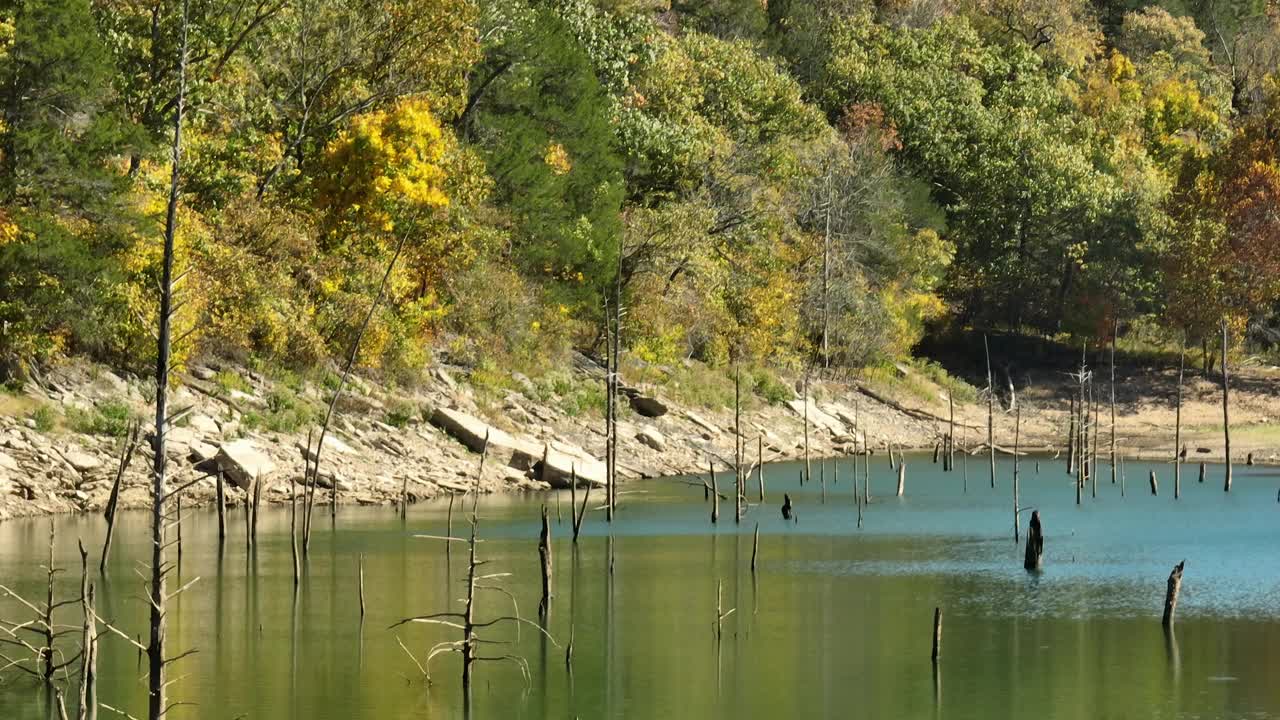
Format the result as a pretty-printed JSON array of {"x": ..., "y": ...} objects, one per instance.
[{"x": 785, "y": 183}]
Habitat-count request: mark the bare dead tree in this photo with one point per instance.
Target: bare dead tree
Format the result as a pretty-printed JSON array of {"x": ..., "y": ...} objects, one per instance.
[
  {"x": 45, "y": 660},
  {"x": 1115, "y": 330},
  {"x": 88, "y": 699},
  {"x": 471, "y": 644},
  {"x": 1017, "y": 432},
  {"x": 127, "y": 448},
  {"x": 991, "y": 399},
  {"x": 1034, "y": 556},
  {"x": 1177, "y": 422}
]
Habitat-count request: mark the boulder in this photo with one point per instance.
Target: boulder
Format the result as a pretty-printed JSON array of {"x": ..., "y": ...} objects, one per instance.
[
  {"x": 82, "y": 461},
  {"x": 8, "y": 463},
  {"x": 204, "y": 373},
  {"x": 241, "y": 461},
  {"x": 648, "y": 406},
  {"x": 556, "y": 467},
  {"x": 652, "y": 438},
  {"x": 518, "y": 452},
  {"x": 204, "y": 425},
  {"x": 202, "y": 452},
  {"x": 332, "y": 444},
  {"x": 701, "y": 422}
]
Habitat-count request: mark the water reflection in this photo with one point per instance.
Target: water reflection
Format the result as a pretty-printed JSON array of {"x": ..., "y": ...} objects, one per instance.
[{"x": 834, "y": 621}]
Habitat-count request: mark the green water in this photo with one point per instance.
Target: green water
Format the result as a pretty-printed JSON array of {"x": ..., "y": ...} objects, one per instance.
[{"x": 835, "y": 623}]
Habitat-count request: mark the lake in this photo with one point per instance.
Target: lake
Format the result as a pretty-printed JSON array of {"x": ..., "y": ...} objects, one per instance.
[{"x": 836, "y": 621}]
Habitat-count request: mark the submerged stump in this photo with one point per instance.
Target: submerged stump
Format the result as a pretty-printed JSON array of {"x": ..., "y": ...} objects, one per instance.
[
  {"x": 1171, "y": 594},
  {"x": 1034, "y": 557}
]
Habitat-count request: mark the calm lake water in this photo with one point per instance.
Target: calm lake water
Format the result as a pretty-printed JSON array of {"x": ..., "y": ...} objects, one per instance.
[{"x": 836, "y": 622}]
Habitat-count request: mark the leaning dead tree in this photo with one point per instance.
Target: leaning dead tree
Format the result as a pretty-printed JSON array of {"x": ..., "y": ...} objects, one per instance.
[
  {"x": 127, "y": 449},
  {"x": 471, "y": 645}
]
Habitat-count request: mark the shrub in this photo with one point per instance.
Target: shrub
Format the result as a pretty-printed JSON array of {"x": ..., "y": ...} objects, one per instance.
[
  {"x": 110, "y": 418},
  {"x": 45, "y": 418}
]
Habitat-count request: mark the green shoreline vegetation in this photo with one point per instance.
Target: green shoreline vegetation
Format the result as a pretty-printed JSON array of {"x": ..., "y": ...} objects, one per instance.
[{"x": 783, "y": 185}]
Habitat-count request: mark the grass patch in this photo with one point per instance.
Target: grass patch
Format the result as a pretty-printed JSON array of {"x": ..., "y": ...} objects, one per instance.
[
  {"x": 400, "y": 413},
  {"x": 45, "y": 417},
  {"x": 286, "y": 412},
  {"x": 228, "y": 380},
  {"x": 110, "y": 418}
]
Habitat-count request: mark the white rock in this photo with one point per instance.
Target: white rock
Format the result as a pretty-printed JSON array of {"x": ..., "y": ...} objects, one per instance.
[
  {"x": 518, "y": 452},
  {"x": 651, "y": 437},
  {"x": 203, "y": 452},
  {"x": 242, "y": 462},
  {"x": 204, "y": 373},
  {"x": 558, "y": 467},
  {"x": 82, "y": 461},
  {"x": 331, "y": 444},
  {"x": 817, "y": 417},
  {"x": 8, "y": 463},
  {"x": 204, "y": 425}
]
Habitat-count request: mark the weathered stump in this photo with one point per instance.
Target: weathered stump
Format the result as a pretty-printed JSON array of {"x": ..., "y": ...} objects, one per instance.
[
  {"x": 902, "y": 477},
  {"x": 1155, "y": 488},
  {"x": 937, "y": 634},
  {"x": 1034, "y": 557},
  {"x": 1171, "y": 594}
]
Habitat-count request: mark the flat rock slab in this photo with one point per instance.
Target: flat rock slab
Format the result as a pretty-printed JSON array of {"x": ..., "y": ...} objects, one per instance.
[
  {"x": 82, "y": 461},
  {"x": 557, "y": 467},
  {"x": 242, "y": 463},
  {"x": 817, "y": 417},
  {"x": 518, "y": 452},
  {"x": 651, "y": 437}
]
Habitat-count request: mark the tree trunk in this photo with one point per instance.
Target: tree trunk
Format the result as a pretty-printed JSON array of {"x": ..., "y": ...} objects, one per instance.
[
  {"x": 1226, "y": 417},
  {"x": 156, "y": 685},
  {"x": 1114, "y": 332},
  {"x": 991, "y": 438},
  {"x": 937, "y": 634},
  {"x": 544, "y": 554},
  {"x": 1177, "y": 423},
  {"x": 902, "y": 477},
  {"x": 1017, "y": 432}
]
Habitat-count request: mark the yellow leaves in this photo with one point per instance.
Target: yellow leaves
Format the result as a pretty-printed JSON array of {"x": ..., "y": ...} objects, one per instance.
[
  {"x": 557, "y": 158},
  {"x": 1120, "y": 67},
  {"x": 384, "y": 161},
  {"x": 8, "y": 229}
]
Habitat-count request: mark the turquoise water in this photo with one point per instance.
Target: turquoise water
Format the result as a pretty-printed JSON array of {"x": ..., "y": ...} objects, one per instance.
[{"x": 835, "y": 622}]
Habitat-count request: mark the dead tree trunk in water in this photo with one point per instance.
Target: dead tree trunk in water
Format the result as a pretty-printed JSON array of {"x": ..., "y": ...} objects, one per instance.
[
  {"x": 1177, "y": 423},
  {"x": 951, "y": 433},
  {"x": 902, "y": 477},
  {"x": 808, "y": 471},
  {"x": 760, "y": 465},
  {"x": 715, "y": 492},
  {"x": 937, "y": 635},
  {"x": 1171, "y": 594},
  {"x": 113, "y": 502},
  {"x": 991, "y": 399},
  {"x": 1226, "y": 418},
  {"x": 88, "y": 706},
  {"x": 1115, "y": 330},
  {"x": 156, "y": 661},
  {"x": 1017, "y": 432},
  {"x": 1155, "y": 487},
  {"x": 544, "y": 554},
  {"x": 1034, "y": 556},
  {"x": 1071, "y": 438}
]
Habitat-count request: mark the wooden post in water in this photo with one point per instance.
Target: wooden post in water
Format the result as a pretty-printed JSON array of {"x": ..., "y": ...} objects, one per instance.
[
  {"x": 808, "y": 473},
  {"x": 293, "y": 531},
  {"x": 1154, "y": 484},
  {"x": 822, "y": 478},
  {"x": 902, "y": 477},
  {"x": 582, "y": 513},
  {"x": 951, "y": 432},
  {"x": 1093, "y": 446},
  {"x": 1177, "y": 422},
  {"x": 1034, "y": 556},
  {"x": 360, "y": 571},
  {"x": 715, "y": 492},
  {"x": 760, "y": 466},
  {"x": 937, "y": 635},
  {"x": 1115, "y": 330},
  {"x": 991, "y": 399},
  {"x": 1201, "y": 472},
  {"x": 888, "y": 446},
  {"x": 755, "y": 548},
  {"x": 1017, "y": 431},
  {"x": 1071, "y": 438},
  {"x": 1171, "y": 594},
  {"x": 1226, "y": 418},
  {"x": 544, "y": 554}
]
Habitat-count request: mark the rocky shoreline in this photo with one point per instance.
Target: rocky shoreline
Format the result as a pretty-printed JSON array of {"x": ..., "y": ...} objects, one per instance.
[
  {"x": 376, "y": 452},
  {"x": 533, "y": 444}
]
